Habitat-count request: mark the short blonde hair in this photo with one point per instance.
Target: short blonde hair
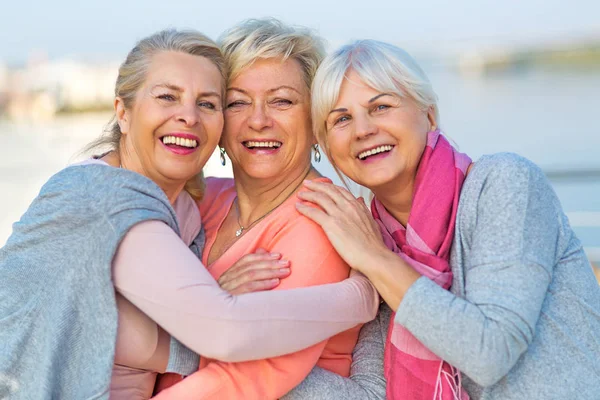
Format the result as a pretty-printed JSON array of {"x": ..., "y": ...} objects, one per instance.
[
  {"x": 132, "y": 75},
  {"x": 256, "y": 39},
  {"x": 382, "y": 66}
]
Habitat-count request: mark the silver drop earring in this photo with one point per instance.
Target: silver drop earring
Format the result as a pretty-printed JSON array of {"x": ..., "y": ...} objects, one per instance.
[
  {"x": 222, "y": 156},
  {"x": 317, "y": 153}
]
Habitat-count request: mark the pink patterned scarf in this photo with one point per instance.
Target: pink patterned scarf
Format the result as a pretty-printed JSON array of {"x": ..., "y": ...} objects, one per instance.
[{"x": 412, "y": 371}]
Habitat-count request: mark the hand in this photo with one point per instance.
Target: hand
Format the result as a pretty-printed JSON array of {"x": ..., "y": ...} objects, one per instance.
[
  {"x": 347, "y": 222},
  {"x": 255, "y": 272}
]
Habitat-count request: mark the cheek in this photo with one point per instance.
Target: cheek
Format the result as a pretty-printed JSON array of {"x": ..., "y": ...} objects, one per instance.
[{"x": 339, "y": 147}]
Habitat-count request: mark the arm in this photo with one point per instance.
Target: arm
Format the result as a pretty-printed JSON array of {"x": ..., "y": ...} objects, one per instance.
[
  {"x": 511, "y": 234},
  {"x": 508, "y": 271},
  {"x": 188, "y": 303},
  {"x": 366, "y": 381},
  {"x": 272, "y": 378}
]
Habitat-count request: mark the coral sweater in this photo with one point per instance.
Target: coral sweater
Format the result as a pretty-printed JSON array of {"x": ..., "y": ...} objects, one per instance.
[{"x": 313, "y": 261}]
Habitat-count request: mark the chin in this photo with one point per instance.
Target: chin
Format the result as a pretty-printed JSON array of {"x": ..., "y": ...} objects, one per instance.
[
  {"x": 376, "y": 180},
  {"x": 263, "y": 173}
]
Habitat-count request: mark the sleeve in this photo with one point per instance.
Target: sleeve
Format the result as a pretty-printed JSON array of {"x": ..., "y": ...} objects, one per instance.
[
  {"x": 366, "y": 381},
  {"x": 513, "y": 242},
  {"x": 272, "y": 378},
  {"x": 156, "y": 272}
]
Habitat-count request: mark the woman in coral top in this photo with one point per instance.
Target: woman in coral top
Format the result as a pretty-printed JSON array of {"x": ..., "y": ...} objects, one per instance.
[{"x": 268, "y": 137}]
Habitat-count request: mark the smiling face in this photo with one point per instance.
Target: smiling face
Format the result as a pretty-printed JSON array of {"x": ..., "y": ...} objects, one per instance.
[
  {"x": 376, "y": 138},
  {"x": 176, "y": 120},
  {"x": 268, "y": 131}
]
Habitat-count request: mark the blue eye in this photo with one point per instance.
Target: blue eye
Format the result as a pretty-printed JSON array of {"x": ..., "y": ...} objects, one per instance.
[
  {"x": 342, "y": 119},
  {"x": 207, "y": 104},
  {"x": 382, "y": 107},
  {"x": 166, "y": 97}
]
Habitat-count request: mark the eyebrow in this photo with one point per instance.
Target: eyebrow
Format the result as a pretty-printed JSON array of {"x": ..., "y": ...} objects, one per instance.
[
  {"x": 176, "y": 88},
  {"x": 237, "y": 89},
  {"x": 284, "y": 87},
  {"x": 370, "y": 101},
  {"x": 378, "y": 96}
]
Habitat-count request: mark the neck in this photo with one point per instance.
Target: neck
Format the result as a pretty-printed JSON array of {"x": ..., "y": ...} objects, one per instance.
[
  {"x": 256, "y": 197},
  {"x": 124, "y": 160},
  {"x": 397, "y": 197}
]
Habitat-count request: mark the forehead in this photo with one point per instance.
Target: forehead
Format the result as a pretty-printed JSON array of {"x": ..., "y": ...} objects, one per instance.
[
  {"x": 184, "y": 70},
  {"x": 267, "y": 74},
  {"x": 353, "y": 85}
]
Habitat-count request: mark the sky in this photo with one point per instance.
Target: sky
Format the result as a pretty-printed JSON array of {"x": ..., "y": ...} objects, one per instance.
[{"x": 109, "y": 28}]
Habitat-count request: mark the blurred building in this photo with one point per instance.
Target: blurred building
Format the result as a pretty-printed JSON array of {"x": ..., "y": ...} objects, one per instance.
[{"x": 43, "y": 88}]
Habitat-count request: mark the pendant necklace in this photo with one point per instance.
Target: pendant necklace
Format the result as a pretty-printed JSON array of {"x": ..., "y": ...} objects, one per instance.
[{"x": 242, "y": 228}]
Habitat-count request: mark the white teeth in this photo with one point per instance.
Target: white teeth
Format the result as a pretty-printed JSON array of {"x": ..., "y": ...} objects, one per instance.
[
  {"x": 374, "y": 151},
  {"x": 252, "y": 143},
  {"x": 183, "y": 142}
]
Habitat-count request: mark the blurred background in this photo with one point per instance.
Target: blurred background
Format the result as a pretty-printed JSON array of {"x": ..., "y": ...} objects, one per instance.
[{"x": 517, "y": 75}]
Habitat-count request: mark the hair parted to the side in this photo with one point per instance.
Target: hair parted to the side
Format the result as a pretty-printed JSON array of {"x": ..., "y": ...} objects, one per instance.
[
  {"x": 382, "y": 66},
  {"x": 132, "y": 75},
  {"x": 255, "y": 39}
]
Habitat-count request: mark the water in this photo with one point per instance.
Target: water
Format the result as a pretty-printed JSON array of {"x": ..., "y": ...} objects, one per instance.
[{"x": 547, "y": 116}]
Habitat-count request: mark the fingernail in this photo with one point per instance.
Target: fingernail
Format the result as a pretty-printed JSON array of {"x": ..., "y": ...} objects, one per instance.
[
  {"x": 275, "y": 255},
  {"x": 284, "y": 270},
  {"x": 283, "y": 262},
  {"x": 274, "y": 281}
]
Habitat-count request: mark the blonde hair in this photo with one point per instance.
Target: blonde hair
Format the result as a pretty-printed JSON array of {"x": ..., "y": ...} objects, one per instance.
[
  {"x": 382, "y": 66},
  {"x": 132, "y": 75},
  {"x": 256, "y": 39}
]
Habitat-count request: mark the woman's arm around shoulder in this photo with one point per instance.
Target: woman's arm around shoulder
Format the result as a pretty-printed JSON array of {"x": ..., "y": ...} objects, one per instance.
[
  {"x": 312, "y": 263},
  {"x": 156, "y": 271}
]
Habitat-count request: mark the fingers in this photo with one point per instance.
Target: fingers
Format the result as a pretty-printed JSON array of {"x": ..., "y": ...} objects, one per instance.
[
  {"x": 257, "y": 271},
  {"x": 246, "y": 269},
  {"x": 250, "y": 260},
  {"x": 321, "y": 199},
  {"x": 253, "y": 280},
  {"x": 254, "y": 286},
  {"x": 336, "y": 193},
  {"x": 315, "y": 214}
]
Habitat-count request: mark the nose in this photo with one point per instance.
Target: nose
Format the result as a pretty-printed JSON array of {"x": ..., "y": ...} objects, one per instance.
[
  {"x": 364, "y": 126},
  {"x": 188, "y": 114},
  {"x": 259, "y": 119}
]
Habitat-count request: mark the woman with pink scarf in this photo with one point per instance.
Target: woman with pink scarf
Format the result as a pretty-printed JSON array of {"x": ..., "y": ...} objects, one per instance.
[{"x": 493, "y": 295}]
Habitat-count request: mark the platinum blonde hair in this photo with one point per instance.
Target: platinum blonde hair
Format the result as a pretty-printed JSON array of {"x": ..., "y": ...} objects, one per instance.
[
  {"x": 382, "y": 66},
  {"x": 132, "y": 75},
  {"x": 256, "y": 39}
]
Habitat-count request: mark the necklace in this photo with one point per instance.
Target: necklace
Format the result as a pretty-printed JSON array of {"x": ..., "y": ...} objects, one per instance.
[{"x": 242, "y": 228}]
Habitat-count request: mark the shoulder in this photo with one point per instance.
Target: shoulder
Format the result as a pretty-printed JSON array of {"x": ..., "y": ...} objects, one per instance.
[
  {"x": 507, "y": 166},
  {"x": 188, "y": 217},
  {"x": 300, "y": 239},
  {"x": 215, "y": 185},
  {"x": 504, "y": 174},
  {"x": 212, "y": 201},
  {"x": 504, "y": 165}
]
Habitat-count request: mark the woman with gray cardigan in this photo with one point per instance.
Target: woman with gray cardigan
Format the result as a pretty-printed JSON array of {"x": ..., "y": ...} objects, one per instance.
[{"x": 493, "y": 295}]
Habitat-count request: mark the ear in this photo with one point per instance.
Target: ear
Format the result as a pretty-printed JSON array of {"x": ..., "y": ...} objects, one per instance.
[
  {"x": 122, "y": 115},
  {"x": 431, "y": 118}
]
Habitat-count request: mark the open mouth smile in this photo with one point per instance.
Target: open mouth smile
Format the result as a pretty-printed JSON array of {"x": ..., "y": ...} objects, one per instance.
[
  {"x": 377, "y": 150},
  {"x": 253, "y": 144}
]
